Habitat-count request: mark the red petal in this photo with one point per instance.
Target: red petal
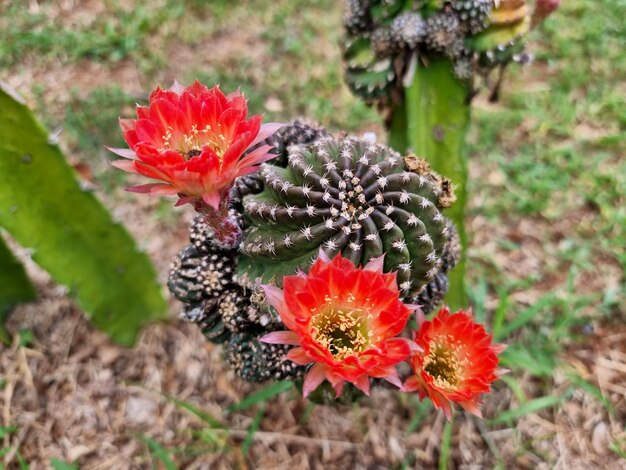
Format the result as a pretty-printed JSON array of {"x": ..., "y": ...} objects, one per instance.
[
  {"x": 212, "y": 200},
  {"x": 281, "y": 337},
  {"x": 126, "y": 165},
  {"x": 313, "y": 379},
  {"x": 126, "y": 153},
  {"x": 299, "y": 356},
  {"x": 266, "y": 131},
  {"x": 154, "y": 189},
  {"x": 375, "y": 264},
  {"x": 363, "y": 384}
]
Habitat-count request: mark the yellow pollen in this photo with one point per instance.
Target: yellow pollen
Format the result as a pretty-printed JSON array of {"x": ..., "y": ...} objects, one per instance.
[
  {"x": 190, "y": 144},
  {"x": 344, "y": 332},
  {"x": 445, "y": 362}
]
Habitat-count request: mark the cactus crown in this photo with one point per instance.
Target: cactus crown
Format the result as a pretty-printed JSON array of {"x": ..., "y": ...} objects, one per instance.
[{"x": 347, "y": 196}]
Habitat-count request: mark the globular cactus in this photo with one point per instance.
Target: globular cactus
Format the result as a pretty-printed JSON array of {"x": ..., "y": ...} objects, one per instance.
[
  {"x": 408, "y": 30},
  {"x": 434, "y": 292},
  {"x": 343, "y": 195},
  {"x": 348, "y": 196},
  {"x": 196, "y": 275},
  {"x": 474, "y": 13},
  {"x": 255, "y": 361},
  {"x": 293, "y": 133},
  {"x": 209, "y": 319}
]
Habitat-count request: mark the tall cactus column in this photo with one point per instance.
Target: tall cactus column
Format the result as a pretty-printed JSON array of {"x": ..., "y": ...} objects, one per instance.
[{"x": 432, "y": 122}]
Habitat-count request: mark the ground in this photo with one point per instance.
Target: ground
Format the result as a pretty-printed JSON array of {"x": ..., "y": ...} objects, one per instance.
[{"x": 546, "y": 262}]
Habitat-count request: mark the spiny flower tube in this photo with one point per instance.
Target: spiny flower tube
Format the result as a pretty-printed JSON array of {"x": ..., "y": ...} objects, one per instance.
[
  {"x": 344, "y": 321},
  {"x": 195, "y": 141},
  {"x": 456, "y": 362}
]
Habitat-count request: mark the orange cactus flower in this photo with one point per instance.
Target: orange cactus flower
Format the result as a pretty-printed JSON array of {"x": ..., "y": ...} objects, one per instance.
[
  {"x": 344, "y": 321},
  {"x": 194, "y": 141},
  {"x": 456, "y": 362}
]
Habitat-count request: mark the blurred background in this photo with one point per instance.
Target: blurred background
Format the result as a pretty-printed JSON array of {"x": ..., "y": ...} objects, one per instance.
[{"x": 546, "y": 266}]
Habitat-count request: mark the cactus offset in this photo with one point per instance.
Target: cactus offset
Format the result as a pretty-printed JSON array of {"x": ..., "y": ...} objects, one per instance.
[
  {"x": 242, "y": 311},
  {"x": 255, "y": 361},
  {"x": 347, "y": 196},
  {"x": 295, "y": 132},
  {"x": 207, "y": 316},
  {"x": 474, "y": 13},
  {"x": 202, "y": 270}
]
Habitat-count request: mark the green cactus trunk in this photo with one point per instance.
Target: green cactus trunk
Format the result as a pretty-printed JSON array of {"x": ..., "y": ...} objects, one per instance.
[{"x": 432, "y": 122}]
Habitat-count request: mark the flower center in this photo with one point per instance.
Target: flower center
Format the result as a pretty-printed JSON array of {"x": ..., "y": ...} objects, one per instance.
[
  {"x": 444, "y": 363},
  {"x": 190, "y": 144},
  {"x": 343, "y": 332}
]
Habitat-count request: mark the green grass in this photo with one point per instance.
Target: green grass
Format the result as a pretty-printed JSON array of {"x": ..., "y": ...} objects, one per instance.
[{"x": 120, "y": 34}]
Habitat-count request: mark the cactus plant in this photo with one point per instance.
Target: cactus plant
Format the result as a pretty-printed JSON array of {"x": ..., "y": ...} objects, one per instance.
[
  {"x": 342, "y": 195},
  {"x": 352, "y": 231},
  {"x": 348, "y": 196}
]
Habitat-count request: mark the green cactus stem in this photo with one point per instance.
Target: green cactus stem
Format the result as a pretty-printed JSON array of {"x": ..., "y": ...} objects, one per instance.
[
  {"x": 348, "y": 196},
  {"x": 432, "y": 122}
]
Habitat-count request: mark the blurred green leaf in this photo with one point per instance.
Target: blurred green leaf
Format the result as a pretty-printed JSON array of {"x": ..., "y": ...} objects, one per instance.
[
  {"x": 15, "y": 287},
  {"x": 26, "y": 338},
  {"x": 159, "y": 453},
  {"x": 254, "y": 427},
  {"x": 6, "y": 430},
  {"x": 71, "y": 234},
  {"x": 500, "y": 313},
  {"x": 532, "y": 406},
  {"x": 525, "y": 317},
  {"x": 421, "y": 410},
  {"x": 201, "y": 414},
  {"x": 446, "y": 444},
  {"x": 59, "y": 464},
  {"x": 514, "y": 384},
  {"x": 534, "y": 361},
  {"x": 262, "y": 395},
  {"x": 592, "y": 390}
]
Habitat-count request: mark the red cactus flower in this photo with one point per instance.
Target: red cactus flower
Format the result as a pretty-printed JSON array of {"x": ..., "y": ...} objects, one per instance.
[
  {"x": 457, "y": 362},
  {"x": 344, "y": 320},
  {"x": 193, "y": 140}
]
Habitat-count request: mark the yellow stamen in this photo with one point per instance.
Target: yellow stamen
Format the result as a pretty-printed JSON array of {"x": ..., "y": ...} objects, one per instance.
[
  {"x": 343, "y": 332},
  {"x": 445, "y": 362}
]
